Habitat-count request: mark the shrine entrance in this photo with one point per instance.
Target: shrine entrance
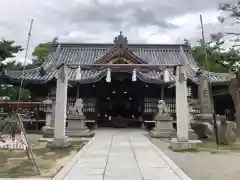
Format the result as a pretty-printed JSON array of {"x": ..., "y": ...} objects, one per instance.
[{"x": 120, "y": 102}]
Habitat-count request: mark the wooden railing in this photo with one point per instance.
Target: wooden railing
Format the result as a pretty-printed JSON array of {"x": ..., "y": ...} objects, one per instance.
[
  {"x": 33, "y": 115},
  {"x": 150, "y": 105}
]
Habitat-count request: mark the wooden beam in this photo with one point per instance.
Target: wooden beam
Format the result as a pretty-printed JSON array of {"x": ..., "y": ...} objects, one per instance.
[{"x": 131, "y": 66}]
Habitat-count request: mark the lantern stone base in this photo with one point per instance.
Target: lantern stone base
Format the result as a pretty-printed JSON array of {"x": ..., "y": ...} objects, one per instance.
[
  {"x": 59, "y": 143},
  {"x": 185, "y": 145},
  {"x": 48, "y": 132}
]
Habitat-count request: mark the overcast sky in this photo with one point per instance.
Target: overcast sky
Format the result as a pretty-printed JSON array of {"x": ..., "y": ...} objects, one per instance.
[{"x": 142, "y": 21}]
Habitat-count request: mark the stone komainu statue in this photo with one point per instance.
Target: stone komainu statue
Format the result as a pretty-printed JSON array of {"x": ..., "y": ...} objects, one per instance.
[
  {"x": 78, "y": 108},
  {"x": 162, "y": 108},
  {"x": 234, "y": 88}
]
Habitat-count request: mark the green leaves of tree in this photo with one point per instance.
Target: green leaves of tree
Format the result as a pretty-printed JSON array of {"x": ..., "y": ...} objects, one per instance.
[{"x": 8, "y": 49}]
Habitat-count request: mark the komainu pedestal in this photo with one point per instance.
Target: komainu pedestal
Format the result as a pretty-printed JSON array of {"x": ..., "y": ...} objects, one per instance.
[
  {"x": 163, "y": 126},
  {"x": 76, "y": 126}
]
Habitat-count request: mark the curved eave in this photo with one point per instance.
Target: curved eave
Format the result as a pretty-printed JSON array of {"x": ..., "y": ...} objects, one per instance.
[
  {"x": 140, "y": 75},
  {"x": 90, "y": 79},
  {"x": 34, "y": 75},
  {"x": 219, "y": 78},
  {"x": 12, "y": 80},
  {"x": 92, "y": 76}
]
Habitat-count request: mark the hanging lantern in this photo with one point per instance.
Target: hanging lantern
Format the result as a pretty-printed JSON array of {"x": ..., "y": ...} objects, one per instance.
[
  {"x": 78, "y": 74},
  {"x": 166, "y": 75},
  {"x": 108, "y": 78},
  {"x": 134, "y": 75}
]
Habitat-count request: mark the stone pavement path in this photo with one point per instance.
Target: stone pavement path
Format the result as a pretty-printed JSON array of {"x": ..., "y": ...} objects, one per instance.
[{"x": 123, "y": 155}]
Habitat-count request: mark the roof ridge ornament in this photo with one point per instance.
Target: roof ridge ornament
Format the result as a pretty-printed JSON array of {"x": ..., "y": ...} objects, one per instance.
[{"x": 121, "y": 40}]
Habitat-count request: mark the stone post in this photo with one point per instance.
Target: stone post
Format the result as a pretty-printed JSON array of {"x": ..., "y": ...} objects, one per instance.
[
  {"x": 181, "y": 104},
  {"x": 48, "y": 130},
  {"x": 60, "y": 140},
  {"x": 182, "y": 113},
  {"x": 201, "y": 122},
  {"x": 205, "y": 99}
]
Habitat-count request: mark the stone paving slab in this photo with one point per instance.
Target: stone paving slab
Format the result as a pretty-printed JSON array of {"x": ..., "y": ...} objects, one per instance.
[{"x": 123, "y": 155}]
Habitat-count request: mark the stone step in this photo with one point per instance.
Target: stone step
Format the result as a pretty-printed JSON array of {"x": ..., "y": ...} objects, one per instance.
[
  {"x": 196, "y": 106},
  {"x": 193, "y": 102}
]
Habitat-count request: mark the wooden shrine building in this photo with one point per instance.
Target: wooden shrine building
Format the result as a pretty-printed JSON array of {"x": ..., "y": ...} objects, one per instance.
[{"x": 113, "y": 93}]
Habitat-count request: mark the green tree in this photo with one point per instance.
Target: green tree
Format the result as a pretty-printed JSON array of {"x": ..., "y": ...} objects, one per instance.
[
  {"x": 8, "y": 49},
  {"x": 40, "y": 53},
  {"x": 13, "y": 65},
  {"x": 227, "y": 59},
  {"x": 214, "y": 56}
]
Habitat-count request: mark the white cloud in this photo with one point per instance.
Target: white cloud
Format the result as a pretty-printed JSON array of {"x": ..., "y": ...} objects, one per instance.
[{"x": 142, "y": 21}]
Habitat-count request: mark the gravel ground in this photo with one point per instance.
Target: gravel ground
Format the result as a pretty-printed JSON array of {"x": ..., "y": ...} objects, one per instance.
[{"x": 205, "y": 165}]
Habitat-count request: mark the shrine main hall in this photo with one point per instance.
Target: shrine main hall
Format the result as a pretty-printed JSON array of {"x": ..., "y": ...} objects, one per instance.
[{"x": 116, "y": 94}]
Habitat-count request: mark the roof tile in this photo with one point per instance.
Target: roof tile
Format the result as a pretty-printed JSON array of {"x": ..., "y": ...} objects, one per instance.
[{"x": 89, "y": 53}]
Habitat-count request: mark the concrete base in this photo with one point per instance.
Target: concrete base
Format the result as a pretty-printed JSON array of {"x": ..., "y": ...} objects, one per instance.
[
  {"x": 79, "y": 133},
  {"x": 48, "y": 132},
  {"x": 192, "y": 135},
  {"x": 59, "y": 143},
  {"x": 204, "y": 117},
  {"x": 185, "y": 145},
  {"x": 45, "y": 139},
  {"x": 163, "y": 133}
]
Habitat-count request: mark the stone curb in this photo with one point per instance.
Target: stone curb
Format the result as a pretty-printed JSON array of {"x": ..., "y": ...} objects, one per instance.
[
  {"x": 182, "y": 175},
  {"x": 65, "y": 170},
  {"x": 25, "y": 178}
]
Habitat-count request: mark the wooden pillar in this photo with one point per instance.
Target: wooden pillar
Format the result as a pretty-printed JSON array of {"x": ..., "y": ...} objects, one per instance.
[
  {"x": 78, "y": 89},
  {"x": 162, "y": 92}
]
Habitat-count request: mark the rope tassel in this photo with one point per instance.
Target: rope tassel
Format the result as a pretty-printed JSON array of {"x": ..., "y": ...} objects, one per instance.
[
  {"x": 78, "y": 74},
  {"x": 108, "y": 78},
  {"x": 134, "y": 75},
  {"x": 166, "y": 75}
]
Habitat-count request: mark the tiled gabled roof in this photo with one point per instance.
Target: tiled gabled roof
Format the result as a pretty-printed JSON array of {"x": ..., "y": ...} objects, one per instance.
[{"x": 86, "y": 53}]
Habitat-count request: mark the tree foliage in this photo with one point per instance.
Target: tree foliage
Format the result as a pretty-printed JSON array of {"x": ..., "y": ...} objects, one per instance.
[
  {"x": 10, "y": 92},
  {"x": 8, "y": 49},
  {"x": 218, "y": 59},
  {"x": 232, "y": 11},
  {"x": 40, "y": 53}
]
